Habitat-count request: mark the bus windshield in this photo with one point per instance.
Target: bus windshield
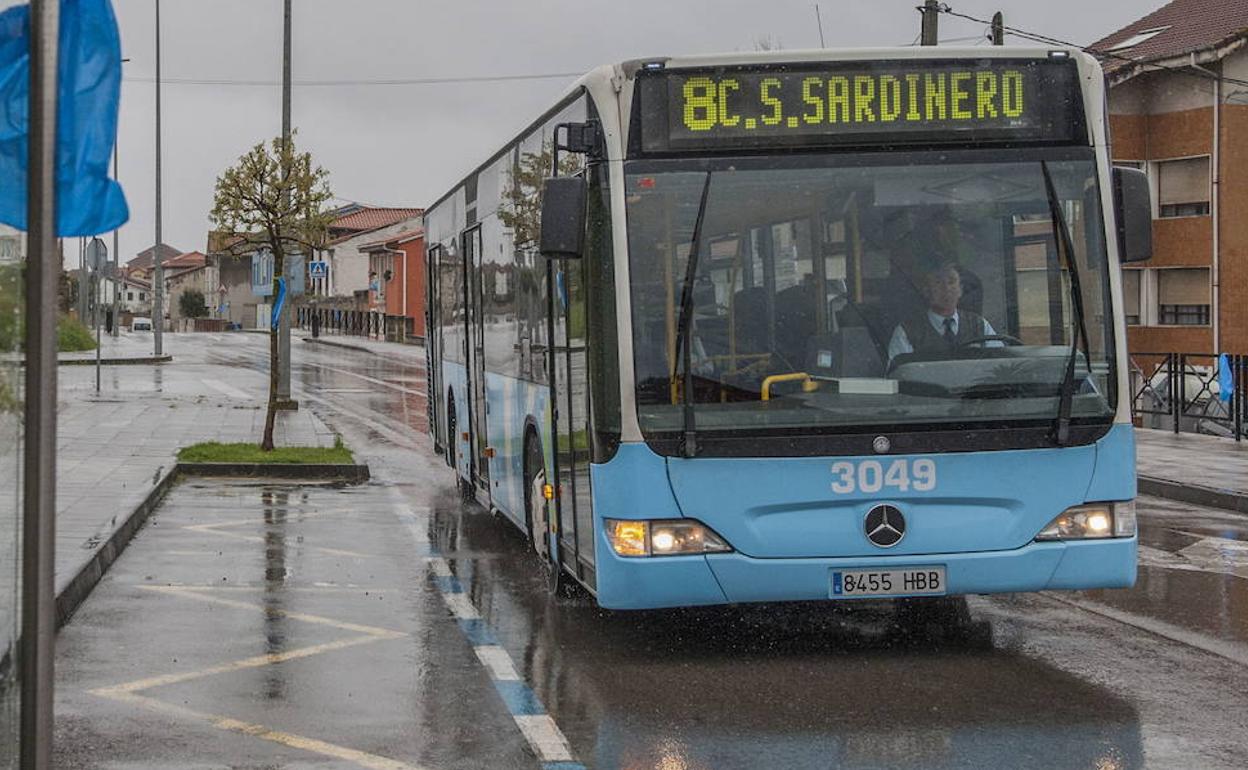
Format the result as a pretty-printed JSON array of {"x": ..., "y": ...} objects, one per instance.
[{"x": 889, "y": 292}]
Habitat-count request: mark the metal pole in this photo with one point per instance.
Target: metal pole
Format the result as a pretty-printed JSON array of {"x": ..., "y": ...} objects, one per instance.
[
  {"x": 117, "y": 282},
  {"x": 283, "y": 323},
  {"x": 819, "y": 21},
  {"x": 43, "y": 266},
  {"x": 158, "y": 273},
  {"x": 929, "y": 10},
  {"x": 96, "y": 293},
  {"x": 998, "y": 29}
]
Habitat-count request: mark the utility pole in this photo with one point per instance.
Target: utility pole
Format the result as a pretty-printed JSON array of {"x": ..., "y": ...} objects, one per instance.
[
  {"x": 998, "y": 29},
  {"x": 158, "y": 271},
  {"x": 43, "y": 269},
  {"x": 283, "y": 322},
  {"x": 930, "y": 10},
  {"x": 117, "y": 282}
]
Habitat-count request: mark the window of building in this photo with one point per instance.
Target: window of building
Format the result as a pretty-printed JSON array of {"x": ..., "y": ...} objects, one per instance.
[
  {"x": 129, "y": 296},
  {"x": 1183, "y": 297},
  {"x": 1183, "y": 187},
  {"x": 1137, "y": 38},
  {"x": 1131, "y": 296}
]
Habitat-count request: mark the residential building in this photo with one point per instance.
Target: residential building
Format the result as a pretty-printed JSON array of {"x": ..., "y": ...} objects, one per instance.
[
  {"x": 397, "y": 263},
  {"x": 12, "y": 245},
  {"x": 142, "y": 264},
  {"x": 348, "y": 262},
  {"x": 188, "y": 272},
  {"x": 1178, "y": 103}
]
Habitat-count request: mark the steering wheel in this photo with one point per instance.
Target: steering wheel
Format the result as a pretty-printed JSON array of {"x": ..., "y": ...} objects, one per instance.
[{"x": 990, "y": 338}]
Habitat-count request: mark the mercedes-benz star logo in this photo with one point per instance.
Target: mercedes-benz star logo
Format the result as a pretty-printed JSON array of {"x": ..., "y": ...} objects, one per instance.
[{"x": 885, "y": 526}]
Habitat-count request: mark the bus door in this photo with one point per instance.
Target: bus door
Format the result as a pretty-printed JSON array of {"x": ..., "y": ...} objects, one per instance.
[
  {"x": 433, "y": 346},
  {"x": 479, "y": 408},
  {"x": 573, "y": 517}
]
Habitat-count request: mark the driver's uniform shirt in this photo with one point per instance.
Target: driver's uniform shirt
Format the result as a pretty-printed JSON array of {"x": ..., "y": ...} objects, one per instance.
[{"x": 936, "y": 343}]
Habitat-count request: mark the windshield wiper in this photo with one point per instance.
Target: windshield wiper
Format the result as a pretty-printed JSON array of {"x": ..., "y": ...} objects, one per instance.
[
  {"x": 684, "y": 328},
  {"x": 1061, "y": 233}
]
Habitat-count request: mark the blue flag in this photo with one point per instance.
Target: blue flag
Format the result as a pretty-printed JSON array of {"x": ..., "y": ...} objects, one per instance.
[
  {"x": 1226, "y": 378},
  {"x": 277, "y": 305},
  {"x": 88, "y": 201}
]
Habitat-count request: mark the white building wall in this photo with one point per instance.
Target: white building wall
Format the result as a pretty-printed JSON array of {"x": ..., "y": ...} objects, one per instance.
[{"x": 349, "y": 267}]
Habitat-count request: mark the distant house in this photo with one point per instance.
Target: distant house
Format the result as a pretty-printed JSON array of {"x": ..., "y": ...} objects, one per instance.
[
  {"x": 348, "y": 262},
  {"x": 12, "y": 245},
  {"x": 143, "y": 263},
  {"x": 187, "y": 272},
  {"x": 1178, "y": 103},
  {"x": 398, "y": 264}
]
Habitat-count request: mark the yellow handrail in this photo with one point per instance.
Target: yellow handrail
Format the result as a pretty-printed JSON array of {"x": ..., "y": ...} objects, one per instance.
[{"x": 808, "y": 384}]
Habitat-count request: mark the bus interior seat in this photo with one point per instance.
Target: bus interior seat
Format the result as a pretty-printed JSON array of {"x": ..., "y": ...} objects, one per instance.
[{"x": 850, "y": 352}]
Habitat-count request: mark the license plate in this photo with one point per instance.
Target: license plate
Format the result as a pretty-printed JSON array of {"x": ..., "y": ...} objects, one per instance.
[{"x": 912, "y": 581}]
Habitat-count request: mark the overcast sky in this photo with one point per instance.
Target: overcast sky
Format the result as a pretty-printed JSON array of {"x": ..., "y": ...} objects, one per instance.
[{"x": 405, "y": 145}]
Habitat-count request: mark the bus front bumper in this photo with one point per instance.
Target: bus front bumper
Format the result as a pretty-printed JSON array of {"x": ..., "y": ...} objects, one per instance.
[{"x": 679, "y": 581}]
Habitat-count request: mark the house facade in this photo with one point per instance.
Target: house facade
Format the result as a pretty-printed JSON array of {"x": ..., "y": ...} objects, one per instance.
[
  {"x": 397, "y": 265},
  {"x": 1178, "y": 103},
  {"x": 349, "y": 269}
]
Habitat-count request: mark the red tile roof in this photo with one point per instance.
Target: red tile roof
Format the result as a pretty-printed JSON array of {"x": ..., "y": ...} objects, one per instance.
[
  {"x": 191, "y": 259},
  {"x": 1189, "y": 26},
  {"x": 144, "y": 257},
  {"x": 373, "y": 218},
  {"x": 396, "y": 238}
]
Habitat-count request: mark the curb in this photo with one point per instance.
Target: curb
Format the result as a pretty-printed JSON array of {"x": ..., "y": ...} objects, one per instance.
[
  {"x": 1225, "y": 499},
  {"x": 80, "y": 586},
  {"x": 347, "y": 474},
  {"x": 166, "y": 358},
  {"x": 346, "y": 345}
]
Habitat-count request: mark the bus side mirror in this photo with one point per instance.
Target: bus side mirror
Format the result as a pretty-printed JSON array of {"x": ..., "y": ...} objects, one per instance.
[
  {"x": 1134, "y": 214},
  {"x": 563, "y": 217}
]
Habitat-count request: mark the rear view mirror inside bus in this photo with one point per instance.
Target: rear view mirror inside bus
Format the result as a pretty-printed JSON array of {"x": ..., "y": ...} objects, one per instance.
[
  {"x": 1135, "y": 215},
  {"x": 563, "y": 217}
]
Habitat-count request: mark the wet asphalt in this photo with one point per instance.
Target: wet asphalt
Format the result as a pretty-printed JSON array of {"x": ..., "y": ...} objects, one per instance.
[{"x": 391, "y": 626}]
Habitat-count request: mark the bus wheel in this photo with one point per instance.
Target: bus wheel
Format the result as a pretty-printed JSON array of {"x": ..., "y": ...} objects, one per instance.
[
  {"x": 558, "y": 582},
  {"x": 464, "y": 487},
  {"x": 535, "y": 499}
]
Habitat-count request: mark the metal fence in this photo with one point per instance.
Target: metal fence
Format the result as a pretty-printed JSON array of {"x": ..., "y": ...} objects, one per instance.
[{"x": 1182, "y": 392}]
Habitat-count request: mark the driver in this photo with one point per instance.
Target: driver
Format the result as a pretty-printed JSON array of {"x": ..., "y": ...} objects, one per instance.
[{"x": 943, "y": 328}]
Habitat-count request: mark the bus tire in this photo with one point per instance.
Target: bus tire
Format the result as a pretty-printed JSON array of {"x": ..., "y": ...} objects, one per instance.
[
  {"x": 558, "y": 582},
  {"x": 462, "y": 486}
]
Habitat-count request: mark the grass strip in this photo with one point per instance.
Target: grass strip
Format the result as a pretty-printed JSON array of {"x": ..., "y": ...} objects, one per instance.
[{"x": 215, "y": 452}]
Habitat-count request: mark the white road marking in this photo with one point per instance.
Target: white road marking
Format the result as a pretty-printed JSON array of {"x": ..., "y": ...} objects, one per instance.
[
  {"x": 460, "y": 606},
  {"x": 228, "y": 390},
  {"x": 498, "y": 662},
  {"x": 545, "y": 737},
  {"x": 1232, "y": 651}
]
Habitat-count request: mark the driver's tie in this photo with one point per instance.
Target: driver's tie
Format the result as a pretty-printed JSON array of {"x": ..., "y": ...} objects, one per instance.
[{"x": 950, "y": 336}]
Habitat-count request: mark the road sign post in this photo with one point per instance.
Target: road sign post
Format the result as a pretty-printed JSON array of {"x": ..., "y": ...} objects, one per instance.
[{"x": 96, "y": 258}]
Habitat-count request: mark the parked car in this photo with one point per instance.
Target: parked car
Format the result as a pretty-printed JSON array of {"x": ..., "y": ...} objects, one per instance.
[{"x": 141, "y": 325}]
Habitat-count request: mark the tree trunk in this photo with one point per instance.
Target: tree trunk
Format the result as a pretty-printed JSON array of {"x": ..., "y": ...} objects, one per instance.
[{"x": 270, "y": 417}]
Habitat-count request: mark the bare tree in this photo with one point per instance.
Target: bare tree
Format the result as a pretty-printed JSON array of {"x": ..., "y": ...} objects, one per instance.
[{"x": 273, "y": 198}]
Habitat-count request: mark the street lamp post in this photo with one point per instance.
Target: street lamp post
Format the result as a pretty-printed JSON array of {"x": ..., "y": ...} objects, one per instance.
[{"x": 158, "y": 272}]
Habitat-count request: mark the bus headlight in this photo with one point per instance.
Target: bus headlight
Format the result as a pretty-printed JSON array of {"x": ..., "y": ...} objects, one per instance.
[
  {"x": 1092, "y": 520},
  {"x": 668, "y": 537}
]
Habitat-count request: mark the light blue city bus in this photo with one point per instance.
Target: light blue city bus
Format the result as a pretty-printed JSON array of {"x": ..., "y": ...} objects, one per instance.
[{"x": 799, "y": 326}]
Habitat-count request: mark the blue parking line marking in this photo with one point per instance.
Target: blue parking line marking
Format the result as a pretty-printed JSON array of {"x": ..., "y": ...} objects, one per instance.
[
  {"x": 520, "y": 700},
  {"x": 527, "y": 710},
  {"x": 448, "y": 585},
  {"x": 478, "y": 633}
]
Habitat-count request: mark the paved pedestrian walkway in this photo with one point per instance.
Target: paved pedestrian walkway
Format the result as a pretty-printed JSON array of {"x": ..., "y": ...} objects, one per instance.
[
  {"x": 1194, "y": 462},
  {"x": 403, "y": 350},
  {"x": 113, "y": 447}
]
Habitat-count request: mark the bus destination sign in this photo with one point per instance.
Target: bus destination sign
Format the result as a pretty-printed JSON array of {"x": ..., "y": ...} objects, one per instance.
[{"x": 859, "y": 103}]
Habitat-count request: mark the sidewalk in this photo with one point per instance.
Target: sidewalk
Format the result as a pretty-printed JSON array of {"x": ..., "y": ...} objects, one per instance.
[
  {"x": 1193, "y": 468},
  {"x": 399, "y": 350},
  {"x": 115, "y": 448}
]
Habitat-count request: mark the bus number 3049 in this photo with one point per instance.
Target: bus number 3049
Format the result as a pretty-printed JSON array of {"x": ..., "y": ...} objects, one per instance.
[{"x": 871, "y": 476}]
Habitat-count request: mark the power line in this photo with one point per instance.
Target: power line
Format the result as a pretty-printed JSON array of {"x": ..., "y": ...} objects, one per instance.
[
  {"x": 360, "y": 81},
  {"x": 1039, "y": 38}
]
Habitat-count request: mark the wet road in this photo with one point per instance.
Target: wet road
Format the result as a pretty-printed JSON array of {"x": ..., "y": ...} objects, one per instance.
[{"x": 390, "y": 626}]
